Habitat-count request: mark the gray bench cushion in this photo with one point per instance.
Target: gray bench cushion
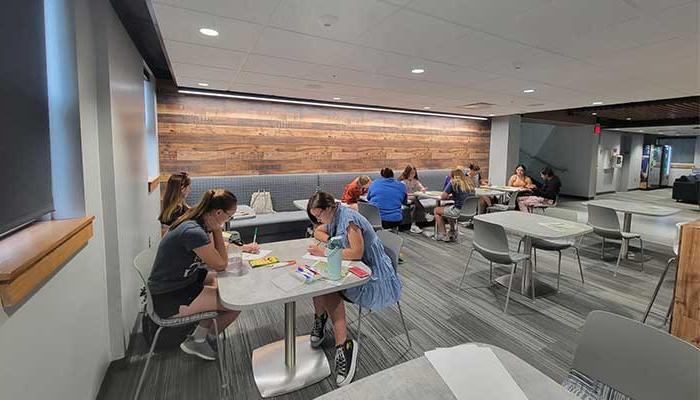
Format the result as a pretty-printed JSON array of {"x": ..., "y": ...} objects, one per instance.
[
  {"x": 274, "y": 218},
  {"x": 433, "y": 179}
]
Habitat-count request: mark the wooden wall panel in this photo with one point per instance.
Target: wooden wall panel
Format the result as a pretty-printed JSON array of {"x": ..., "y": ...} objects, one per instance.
[{"x": 217, "y": 136}]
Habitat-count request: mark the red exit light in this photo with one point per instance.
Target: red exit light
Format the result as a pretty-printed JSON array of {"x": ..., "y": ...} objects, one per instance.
[{"x": 596, "y": 129}]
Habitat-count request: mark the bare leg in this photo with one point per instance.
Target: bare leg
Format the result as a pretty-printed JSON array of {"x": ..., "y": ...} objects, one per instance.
[
  {"x": 439, "y": 223},
  {"x": 336, "y": 312},
  {"x": 319, "y": 305},
  {"x": 208, "y": 300}
]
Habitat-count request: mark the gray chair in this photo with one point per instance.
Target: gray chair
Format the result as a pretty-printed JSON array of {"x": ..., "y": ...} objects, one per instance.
[
  {"x": 638, "y": 360},
  {"x": 544, "y": 207},
  {"x": 491, "y": 242},
  {"x": 142, "y": 264},
  {"x": 670, "y": 261},
  {"x": 371, "y": 212},
  {"x": 469, "y": 210},
  {"x": 606, "y": 225},
  {"x": 512, "y": 204},
  {"x": 392, "y": 246},
  {"x": 557, "y": 245}
]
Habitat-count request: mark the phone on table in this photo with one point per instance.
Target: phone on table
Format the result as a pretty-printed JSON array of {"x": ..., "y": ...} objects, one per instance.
[{"x": 358, "y": 272}]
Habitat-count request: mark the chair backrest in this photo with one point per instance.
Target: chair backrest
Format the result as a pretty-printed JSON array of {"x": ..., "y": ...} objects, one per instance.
[
  {"x": 513, "y": 201},
  {"x": 490, "y": 240},
  {"x": 470, "y": 207},
  {"x": 603, "y": 219},
  {"x": 392, "y": 246},
  {"x": 562, "y": 213},
  {"x": 371, "y": 212},
  {"x": 638, "y": 360},
  {"x": 143, "y": 262}
]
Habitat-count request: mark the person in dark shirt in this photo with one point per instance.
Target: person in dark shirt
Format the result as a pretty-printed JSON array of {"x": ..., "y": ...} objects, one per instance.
[{"x": 545, "y": 194}]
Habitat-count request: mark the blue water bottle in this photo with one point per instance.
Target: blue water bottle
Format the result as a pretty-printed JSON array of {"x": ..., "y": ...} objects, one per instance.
[{"x": 334, "y": 253}]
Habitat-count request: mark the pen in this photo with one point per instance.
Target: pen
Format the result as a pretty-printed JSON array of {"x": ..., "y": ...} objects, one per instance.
[{"x": 255, "y": 235}]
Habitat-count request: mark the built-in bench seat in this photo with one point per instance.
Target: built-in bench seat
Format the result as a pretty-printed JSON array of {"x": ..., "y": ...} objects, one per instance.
[{"x": 288, "y": 222}]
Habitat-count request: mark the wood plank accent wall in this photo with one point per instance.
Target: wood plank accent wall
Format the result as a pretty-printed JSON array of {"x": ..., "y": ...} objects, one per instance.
[
  {"x": 686, "y": 302},
  {"x": 218, "y": 136}
]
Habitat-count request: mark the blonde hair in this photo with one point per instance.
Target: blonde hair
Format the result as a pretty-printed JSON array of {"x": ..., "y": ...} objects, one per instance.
[
  {"x": 460, "y": 182},
  {"x": 215, "y": 199},
  {"x": 363, "y": 180},
  {"x": 173, "y": 198}
]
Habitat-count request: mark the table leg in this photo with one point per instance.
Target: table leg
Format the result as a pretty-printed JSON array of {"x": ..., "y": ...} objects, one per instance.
[
  {"x": 626, "y": 226},
  {"x": 290, "y": 364},
  {"x": 525, "y": 278}
]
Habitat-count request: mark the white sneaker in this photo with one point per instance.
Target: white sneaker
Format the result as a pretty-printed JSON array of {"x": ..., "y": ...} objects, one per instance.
[
  {"x": 416, "y": 229},
  {"x": 429, "y": 217}
]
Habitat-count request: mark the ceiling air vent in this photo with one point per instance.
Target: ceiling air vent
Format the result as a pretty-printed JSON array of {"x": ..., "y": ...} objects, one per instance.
[{"x": 477, "y": 106}]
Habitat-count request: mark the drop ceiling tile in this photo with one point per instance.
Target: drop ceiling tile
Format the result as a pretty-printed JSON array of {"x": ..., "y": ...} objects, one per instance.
[
  {"x": 257, "y": 11},
  {"x": 628, "y": 61},
  {"x": 683, "y": 20},
  {"x": 203, "y": 55},
  {"x": 521, "y": 61},
  {"x": 296, "y": 46},
  {"x": 193, "y": 82},
  {"x": 199, "y": 71},
  {"x": 353, "y": 18},
  {"x": 651, "y": 7},
  {"x": 183, "y": 25}
]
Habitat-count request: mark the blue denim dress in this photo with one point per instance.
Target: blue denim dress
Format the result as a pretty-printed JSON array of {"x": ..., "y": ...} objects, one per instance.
[{"x": 383, "y": 288}]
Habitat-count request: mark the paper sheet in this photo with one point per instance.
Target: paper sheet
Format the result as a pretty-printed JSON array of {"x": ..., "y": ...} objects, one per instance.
[
  {"x": 287, "y": 282},
  {"x": 250, "y": 256},
  {"x": 311, "y": 257},
  {"x": 474, "y": 373}
]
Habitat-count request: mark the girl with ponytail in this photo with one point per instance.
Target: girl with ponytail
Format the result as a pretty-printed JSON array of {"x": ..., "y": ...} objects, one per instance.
[
  {"x": 459, "y": 189},
  {"x": 174, "y": 204},
  {"x": 180, "y": 283}
]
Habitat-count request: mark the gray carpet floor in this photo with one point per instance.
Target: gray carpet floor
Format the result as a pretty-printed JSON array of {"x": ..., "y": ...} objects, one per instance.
[{"x": 438, "y": 314}]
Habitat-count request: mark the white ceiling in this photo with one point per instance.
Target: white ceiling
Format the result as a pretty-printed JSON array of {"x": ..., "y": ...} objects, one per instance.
[
  {"x": 572, "y": 52},
  {"x": 679, "y": 130}
]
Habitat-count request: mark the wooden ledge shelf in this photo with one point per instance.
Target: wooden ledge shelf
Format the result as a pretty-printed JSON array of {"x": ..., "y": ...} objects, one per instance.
[{"x": 30, "y": 256}]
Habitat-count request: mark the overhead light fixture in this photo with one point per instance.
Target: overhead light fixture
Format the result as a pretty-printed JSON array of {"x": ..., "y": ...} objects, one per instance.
[
  {"x": 336, "y": 98},
  {"x": 641, "y": 130},
  {"x": 324, "y": 104},
  {"x": 597, "y": 103},
  {"x": 595, "y": 113},
  {"x": 492, "y": 115},
  {"x": 417, "y": 70},
  {"x": 629, "y": 119},
  {"x": 426, "y": 108},
  {"x": 529, "y": 91},
  {"x": 208, "y": 32},
  {"x": 203, "y": 84}
]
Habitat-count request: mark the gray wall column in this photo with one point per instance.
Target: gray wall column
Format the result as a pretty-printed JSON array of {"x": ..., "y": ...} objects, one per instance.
[{"x": 504, "y": 148}]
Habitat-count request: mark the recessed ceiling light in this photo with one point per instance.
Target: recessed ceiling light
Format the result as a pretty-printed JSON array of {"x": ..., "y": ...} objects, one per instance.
[
  {"x": 629, "y": 119},
  {"x": 426, "y": 108},
  {"x": 529, "y": 91},
  {"x": 417, "y": 70},
  {"x": 594, "y": 113},
  {"x": 336, "y": 98},
  {"x": 208, "y": 32},
  {"x": 641, "y": 130},
  {"x": 203, "y": 84},
  {"x": 597, "y": 103},
  {"x": 492, "y": 115}
]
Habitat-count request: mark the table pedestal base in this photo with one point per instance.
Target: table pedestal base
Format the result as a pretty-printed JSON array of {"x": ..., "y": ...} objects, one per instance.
[
  {"x": 541, "y": 288},
  {"x": 274, "y": 378}
]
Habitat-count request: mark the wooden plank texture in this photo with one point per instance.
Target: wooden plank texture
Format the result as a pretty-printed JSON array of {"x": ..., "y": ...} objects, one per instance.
[
  {"x": 686, "y": 309},
  {"x": 217, "y": 136}
]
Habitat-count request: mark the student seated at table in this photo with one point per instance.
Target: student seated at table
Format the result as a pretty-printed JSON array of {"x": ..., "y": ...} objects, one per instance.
[
  {"x": 174, "y": 205},
  {"x": 519, "y": 179},
  {"x": 409, "y": 177},
  {"x": 388, "y": 195},
  {"x": 448, "y": 178},
  {"x": 543, "y": 195},
  {"x": 474, "y": 172},
  {"x": 383, "y": 289},
  {"x": 459, "y": 189},
  {"x": 355, "y": 189},
  {"x": 180, "y": 283}
]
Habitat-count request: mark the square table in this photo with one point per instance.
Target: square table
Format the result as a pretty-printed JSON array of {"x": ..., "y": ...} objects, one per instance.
[
  {"x": 628, "y": 208},
  {"x": 533, "y": 226},
  {"x": 290, "y": 364}
]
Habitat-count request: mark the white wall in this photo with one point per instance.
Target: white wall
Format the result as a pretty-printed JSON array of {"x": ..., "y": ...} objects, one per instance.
[
  {"x": 59, "y": 342},
  {"x": 607, "y": 176},
  {"x": 570, "y": 150}
]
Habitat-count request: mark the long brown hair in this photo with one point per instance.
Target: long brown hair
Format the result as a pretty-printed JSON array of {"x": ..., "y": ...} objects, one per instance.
[
  {"x": 320, "y": 200},
  {"x": 407, "y": 172},
  {"x": 215, "y": 199},
  {"x": 460, "y": 181},
  {"x": 173, "y": 198}
]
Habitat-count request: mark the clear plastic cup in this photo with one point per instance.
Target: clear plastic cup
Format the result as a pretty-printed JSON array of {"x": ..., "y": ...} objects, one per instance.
[{"x": 235, "y": 262}]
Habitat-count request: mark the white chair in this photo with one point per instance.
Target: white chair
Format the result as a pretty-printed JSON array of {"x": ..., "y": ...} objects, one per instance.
[
  {"x": 512, "y": 204},
  {"x": 371, "y": 212},
  {"x": 142, "y": 264},
  {"x": 392, "y": 246},
  {"x": 544, "y": 207},
  {"x": 637, "y": 360},
  {"x": 557, "y": 245},
  {"x": 606, "y": 225},
  {"x": 491, "y": 242},
  {"x": 670, "y": 261}
]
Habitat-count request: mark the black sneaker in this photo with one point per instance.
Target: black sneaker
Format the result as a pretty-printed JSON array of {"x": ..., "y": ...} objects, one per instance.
[
  {"x": 345, "y": 362},
  {"x": 318, "y": 332}
]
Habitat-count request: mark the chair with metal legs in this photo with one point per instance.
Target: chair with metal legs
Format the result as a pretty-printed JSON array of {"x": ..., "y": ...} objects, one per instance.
[
  {"x": 491, "y": 242},
  {"x": 142, "y": 264},
  {"x": 392, "y": 246},
  {"x": 671, "y": 261},
  {"x": 557, "y": 245},
  {"x": 512, "y": 204},
  {"x": 606, "y": 225},
  {"x": 469, "y": 210}
]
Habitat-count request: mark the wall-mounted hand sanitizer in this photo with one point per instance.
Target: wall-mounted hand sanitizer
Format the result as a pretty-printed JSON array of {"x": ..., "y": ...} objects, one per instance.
[{"x": 334, "y": 253}]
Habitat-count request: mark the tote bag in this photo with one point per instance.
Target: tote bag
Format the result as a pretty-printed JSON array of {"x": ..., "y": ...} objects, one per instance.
[{"x": 261, "y": 202}]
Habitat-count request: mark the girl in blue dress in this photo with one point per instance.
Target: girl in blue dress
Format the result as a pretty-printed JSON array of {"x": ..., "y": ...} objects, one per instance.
[{"x": 360, "y": 242}]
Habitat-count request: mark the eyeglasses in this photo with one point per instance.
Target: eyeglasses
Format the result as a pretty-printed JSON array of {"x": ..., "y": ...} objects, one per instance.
[{"x": 230, "y": 216}]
